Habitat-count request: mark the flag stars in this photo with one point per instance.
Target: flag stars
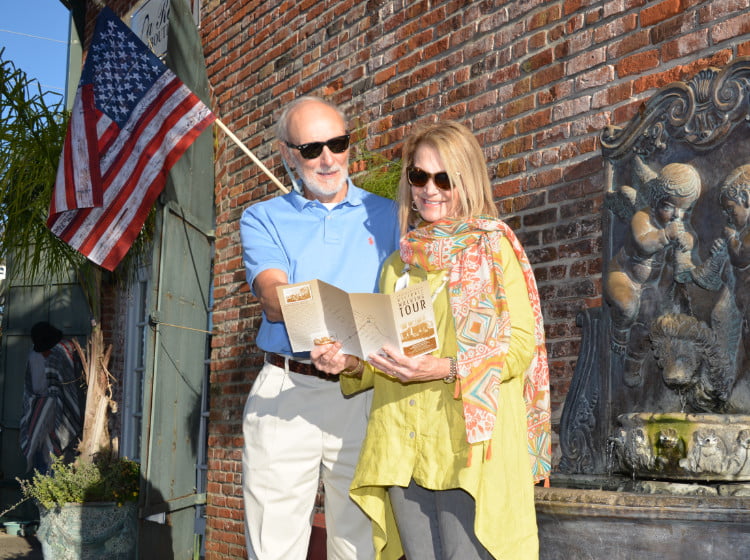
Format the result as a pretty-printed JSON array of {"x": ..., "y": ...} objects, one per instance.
[{"x": 121, "y": 70}]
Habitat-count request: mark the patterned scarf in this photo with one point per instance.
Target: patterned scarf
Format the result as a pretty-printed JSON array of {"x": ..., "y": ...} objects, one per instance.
[{"x": 470, "y": 251}]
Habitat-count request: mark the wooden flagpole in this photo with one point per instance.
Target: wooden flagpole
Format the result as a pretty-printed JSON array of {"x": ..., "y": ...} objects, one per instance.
[{"x": 245, "y": 149}]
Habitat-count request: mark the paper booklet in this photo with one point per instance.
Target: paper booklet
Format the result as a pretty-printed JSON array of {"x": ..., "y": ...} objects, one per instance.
[{"x": 316, "y": 312}]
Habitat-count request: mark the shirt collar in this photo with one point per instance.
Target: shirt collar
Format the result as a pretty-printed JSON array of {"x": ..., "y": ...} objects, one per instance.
[{"x": 353, "y": 197}]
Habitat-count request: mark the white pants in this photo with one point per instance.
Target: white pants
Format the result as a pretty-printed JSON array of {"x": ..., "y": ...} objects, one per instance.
[{"x": 292, "y": 425}]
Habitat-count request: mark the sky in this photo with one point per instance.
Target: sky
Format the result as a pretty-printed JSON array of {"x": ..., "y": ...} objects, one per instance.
[{"x": 34, "y": 34}]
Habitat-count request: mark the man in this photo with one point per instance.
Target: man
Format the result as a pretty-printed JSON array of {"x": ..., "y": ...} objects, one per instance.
[
  {"x": 54, "y": 399},
  {"x": 296, "y": 418}
]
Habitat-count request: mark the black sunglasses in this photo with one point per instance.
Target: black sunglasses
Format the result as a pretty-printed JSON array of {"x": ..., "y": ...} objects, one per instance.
[
  {"x": 311, "y": 150},
  {"x": 418, "y": 178}
]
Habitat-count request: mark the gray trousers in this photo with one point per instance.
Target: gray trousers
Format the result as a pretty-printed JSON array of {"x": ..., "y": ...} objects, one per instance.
[{"x": 436, "y": 525}]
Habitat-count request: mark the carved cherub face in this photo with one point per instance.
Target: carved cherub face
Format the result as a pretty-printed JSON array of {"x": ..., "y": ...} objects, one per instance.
[
  {"x": 737, "y": 212},
  {"x": 734, "y": 197},
  {"x": 676, "y": 190},
  {"x": 666, "y": 211}
]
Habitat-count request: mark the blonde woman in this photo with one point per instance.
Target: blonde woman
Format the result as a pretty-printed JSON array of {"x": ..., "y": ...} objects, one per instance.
[{"x": 447, "y": 451}]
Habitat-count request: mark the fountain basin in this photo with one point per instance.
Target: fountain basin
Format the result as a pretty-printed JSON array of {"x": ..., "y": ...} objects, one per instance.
[{"x": 594, "y": 523}]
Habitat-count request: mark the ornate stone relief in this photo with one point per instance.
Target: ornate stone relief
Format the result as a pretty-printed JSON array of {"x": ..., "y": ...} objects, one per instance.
[{"x": 676, "y": 284}]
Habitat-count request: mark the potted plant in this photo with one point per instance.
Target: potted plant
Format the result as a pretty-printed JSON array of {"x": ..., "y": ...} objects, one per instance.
[{"x": 88, "y": 509}]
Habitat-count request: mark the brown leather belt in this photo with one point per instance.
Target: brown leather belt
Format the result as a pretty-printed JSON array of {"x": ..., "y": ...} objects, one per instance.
[{"x": 298, "y": 367}]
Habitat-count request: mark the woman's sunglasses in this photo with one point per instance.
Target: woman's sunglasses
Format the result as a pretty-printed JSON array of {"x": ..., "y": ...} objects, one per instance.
[
  {"x": 311, "y": 150},
  {"x": 418, "y": 178}
]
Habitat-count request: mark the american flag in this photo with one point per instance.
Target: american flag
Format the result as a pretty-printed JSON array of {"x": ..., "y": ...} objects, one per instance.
[{"x": 132, "y": 119}]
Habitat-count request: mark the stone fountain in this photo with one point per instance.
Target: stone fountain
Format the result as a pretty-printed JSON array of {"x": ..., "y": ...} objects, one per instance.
[{"x": 655, "y": 432}]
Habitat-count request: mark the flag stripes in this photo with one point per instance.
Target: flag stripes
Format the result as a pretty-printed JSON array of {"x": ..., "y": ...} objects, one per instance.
[{"x": 132, "y": 120}]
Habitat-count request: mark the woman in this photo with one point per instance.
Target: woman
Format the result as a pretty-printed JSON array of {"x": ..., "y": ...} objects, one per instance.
[{"x": 450, "y": 434}]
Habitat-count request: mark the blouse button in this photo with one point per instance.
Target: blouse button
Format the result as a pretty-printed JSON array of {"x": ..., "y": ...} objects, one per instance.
[
  {"x": 411, "y": 435},
  {"x": 412, "y": 402}
]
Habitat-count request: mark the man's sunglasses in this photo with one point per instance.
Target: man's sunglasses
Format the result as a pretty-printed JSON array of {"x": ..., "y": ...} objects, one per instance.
[
  {"x": 418, "y": 178},
  {"x": 311, "y": 150}
]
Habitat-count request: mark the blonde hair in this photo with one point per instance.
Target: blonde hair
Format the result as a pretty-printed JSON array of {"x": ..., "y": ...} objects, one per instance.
[{"x": 464, "y": 162}]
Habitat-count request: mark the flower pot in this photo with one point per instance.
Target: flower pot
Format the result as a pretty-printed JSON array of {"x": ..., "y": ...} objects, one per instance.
[
  {"x": 12, "y": 528},
  {"x": 90, "y": 531}
]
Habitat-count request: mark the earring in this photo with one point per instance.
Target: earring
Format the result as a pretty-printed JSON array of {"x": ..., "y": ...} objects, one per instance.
[{"x": 414, "y": 206}]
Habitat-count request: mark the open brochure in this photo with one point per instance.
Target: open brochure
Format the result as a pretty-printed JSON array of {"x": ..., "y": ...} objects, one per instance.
[{"x": 316, "y": 312}]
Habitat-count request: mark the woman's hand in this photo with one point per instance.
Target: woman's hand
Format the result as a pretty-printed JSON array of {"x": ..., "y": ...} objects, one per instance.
[
  {"x": 420, "y": 368},
  {"x": 329, "y": 358}
]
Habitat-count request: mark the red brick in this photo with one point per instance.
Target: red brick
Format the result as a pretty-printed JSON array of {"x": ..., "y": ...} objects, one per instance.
[
  {"x": 612, "y": 95},
  {"x": 618, "y": 27},
  {"x": 743, "y": 49},
  {"x": 519, "y": 106},
  {"x": 637, "y": 63},
  {"x": 659, "y": 12},
  {"x": 734, "y": 27},
  {"x": 627, "y": 44},
  {"x": 544, "y": 18},
  {"x": 684, "y": 45}
]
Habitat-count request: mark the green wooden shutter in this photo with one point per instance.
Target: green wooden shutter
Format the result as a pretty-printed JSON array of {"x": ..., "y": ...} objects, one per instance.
[{"x": 174, "y": 389}]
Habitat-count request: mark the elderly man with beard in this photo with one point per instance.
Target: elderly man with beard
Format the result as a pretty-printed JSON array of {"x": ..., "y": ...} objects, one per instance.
[{"x": 297, "y": 424}]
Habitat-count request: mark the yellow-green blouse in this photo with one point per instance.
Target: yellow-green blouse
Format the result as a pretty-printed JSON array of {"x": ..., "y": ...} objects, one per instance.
[{"x": 417, "y": 431}]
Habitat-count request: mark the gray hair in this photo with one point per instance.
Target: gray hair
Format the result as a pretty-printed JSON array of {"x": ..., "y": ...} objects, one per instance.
[{"x": 283, "y": 122}]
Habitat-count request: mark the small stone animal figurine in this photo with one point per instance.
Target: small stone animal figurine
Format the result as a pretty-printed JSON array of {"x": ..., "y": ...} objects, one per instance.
[
  {"x": 708, "y": 453},
  {"x": 670, "y": 448},
  {"x": 638, "y": 452},
  {"x": 738, "y": 462}
]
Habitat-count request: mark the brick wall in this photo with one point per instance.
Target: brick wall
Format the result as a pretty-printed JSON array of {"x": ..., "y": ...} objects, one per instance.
[{"x": 537, "y": 81}]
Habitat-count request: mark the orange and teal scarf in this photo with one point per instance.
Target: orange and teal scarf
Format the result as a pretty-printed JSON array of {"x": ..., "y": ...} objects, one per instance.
[{"x": 470, "y": 251}]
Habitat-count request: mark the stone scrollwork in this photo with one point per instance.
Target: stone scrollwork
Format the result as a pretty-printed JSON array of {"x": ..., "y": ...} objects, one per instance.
[
  {"x": 700, "y": 112},
  {"x": 581, "y": 451}
]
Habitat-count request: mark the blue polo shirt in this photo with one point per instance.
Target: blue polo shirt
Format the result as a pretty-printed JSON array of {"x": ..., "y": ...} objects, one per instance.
[{"x": 344, "y": 246}]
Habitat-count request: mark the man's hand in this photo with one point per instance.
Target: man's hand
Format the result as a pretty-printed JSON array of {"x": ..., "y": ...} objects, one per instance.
[{"x": 330, "y": 359}]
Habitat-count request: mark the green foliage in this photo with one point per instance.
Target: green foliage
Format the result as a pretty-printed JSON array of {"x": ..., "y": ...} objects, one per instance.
[
  {"x": 381, "y": 175},
  {"x": 106, "y": 479},
  {"x": 32, "y": 132}
]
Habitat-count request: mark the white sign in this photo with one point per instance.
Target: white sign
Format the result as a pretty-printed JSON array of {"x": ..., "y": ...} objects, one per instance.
[{"x": 151, "y": 23}]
